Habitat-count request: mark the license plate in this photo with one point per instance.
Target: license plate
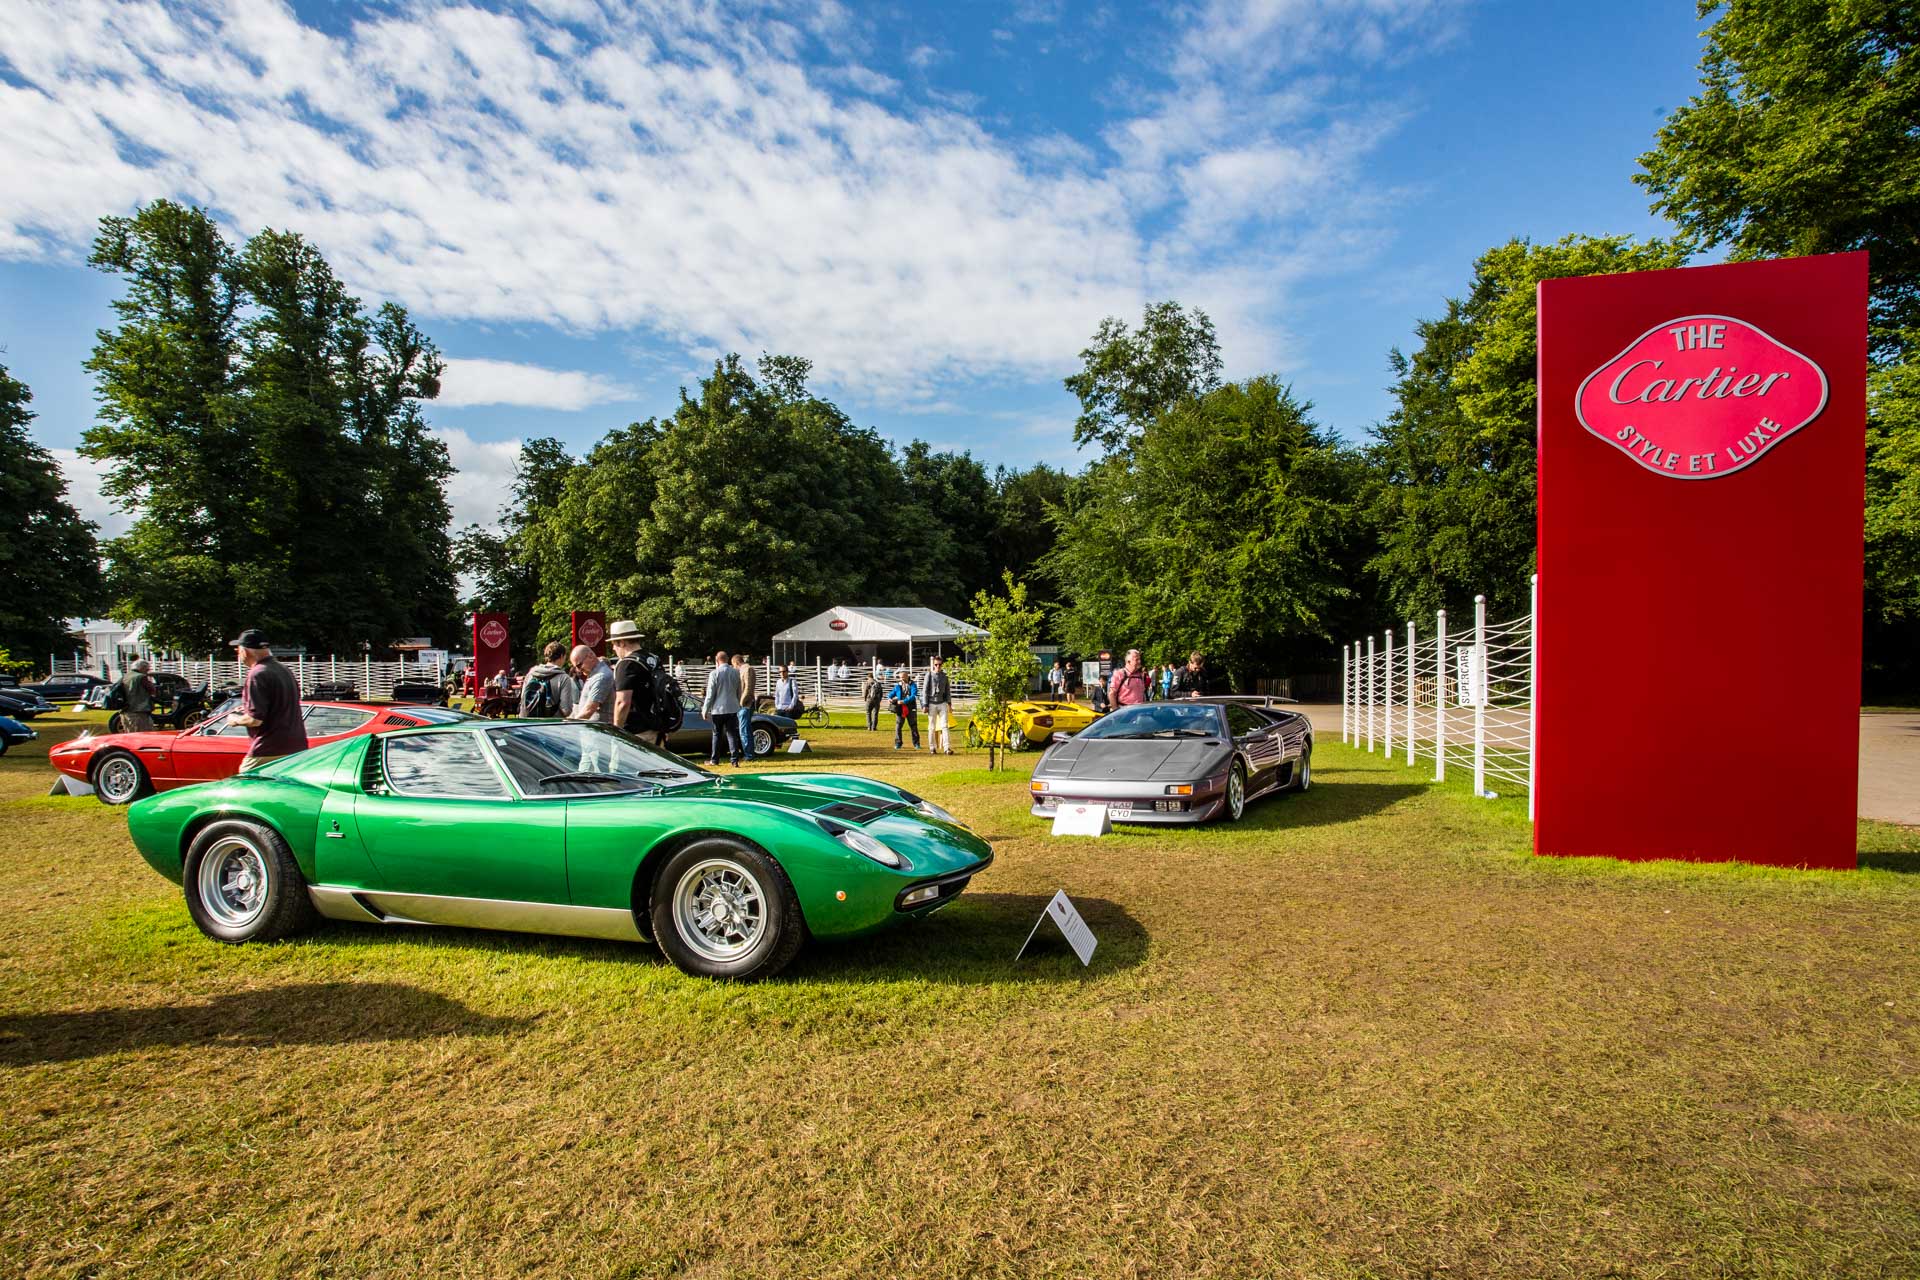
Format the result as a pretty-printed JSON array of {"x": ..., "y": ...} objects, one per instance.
[{"x": 1120, "y": 806}]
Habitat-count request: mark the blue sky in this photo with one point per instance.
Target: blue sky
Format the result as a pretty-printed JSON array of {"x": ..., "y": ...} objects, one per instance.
[{"x": 583, "y": 203}]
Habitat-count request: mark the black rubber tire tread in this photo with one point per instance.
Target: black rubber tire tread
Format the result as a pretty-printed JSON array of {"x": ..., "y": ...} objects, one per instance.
[
  {"x": 775, "y": 952},
  {"x": 289, "y": 909},
  {"x": 93, "y": 778},
  {"x": 1303, "y": 772}
]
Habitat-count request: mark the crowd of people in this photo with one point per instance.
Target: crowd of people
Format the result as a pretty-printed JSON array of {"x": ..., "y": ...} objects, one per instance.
[{"x": 1132, "y": 682}]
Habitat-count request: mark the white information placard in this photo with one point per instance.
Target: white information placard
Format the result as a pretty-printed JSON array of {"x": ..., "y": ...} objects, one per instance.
[
  {"x": 1066, "y": 918},
  {"x": 1082, "y": 820}
]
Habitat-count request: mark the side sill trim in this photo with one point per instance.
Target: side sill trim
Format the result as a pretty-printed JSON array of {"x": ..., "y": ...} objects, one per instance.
[{"x": 384, "y": 907}]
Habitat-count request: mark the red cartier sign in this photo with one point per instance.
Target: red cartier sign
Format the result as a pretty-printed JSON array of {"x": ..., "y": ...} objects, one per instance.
[
  {"x": 1701, "y": 396},
  {"x": 1697, "y": 688},
  {"x": 489, "y": 644}
]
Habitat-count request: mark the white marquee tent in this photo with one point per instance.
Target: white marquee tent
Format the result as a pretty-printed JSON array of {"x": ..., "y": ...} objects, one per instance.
[{"x": 865, "y": 630}]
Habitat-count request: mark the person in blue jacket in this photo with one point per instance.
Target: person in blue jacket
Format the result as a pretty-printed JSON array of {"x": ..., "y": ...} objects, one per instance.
[{"x": 905, "y": 697}]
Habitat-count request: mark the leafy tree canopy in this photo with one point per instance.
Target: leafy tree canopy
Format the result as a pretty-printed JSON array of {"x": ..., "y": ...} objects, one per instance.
[
  {"x": 999, "y": 663},
  {"x": 1129, "y": 377},
  {"x": 1803, "y": 140},
  {"x": 48, "y": 557}
]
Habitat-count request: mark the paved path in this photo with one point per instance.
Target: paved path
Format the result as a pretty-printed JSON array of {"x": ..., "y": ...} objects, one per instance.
[{"x": 1889, "y": 760}]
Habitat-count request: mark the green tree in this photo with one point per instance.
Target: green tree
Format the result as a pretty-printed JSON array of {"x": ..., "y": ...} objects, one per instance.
[
  {"x": 1129, "y": 377},
  {"x": 953, "y": 489},
  {"x": 1227, "y": 528},
  {"x": 1453, "y": 467},
  {"x": 500, "y": 560},
  {"x": 48, "y": 557},
  {"x": 267, "y": 434},
  {"x": 999, "y": 661},
  {"x": 1023, "y": 506},
  {"x": 1802, "y": 140},
  {"x": 1893, "y": 530}
]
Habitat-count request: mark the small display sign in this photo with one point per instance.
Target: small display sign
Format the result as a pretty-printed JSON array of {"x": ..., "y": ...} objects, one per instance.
[
  {"x": 1082, "y": 820},
  {"x": 1066, "y": 918}
]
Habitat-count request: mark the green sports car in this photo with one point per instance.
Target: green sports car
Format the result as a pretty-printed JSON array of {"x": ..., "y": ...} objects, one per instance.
[{"x": 555, "y": 827}]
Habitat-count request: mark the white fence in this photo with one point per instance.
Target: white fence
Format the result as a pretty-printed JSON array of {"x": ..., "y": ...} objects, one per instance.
[
  {"x": 368, "y": 679},
  {"x": 817, "y": 685},
  {"x": 1463, "y": 697}
]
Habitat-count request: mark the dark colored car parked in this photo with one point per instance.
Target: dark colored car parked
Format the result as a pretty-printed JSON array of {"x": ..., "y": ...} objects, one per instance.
[
  {"x": 13, "y": 733},
  {"x": 71, "y": 686},
  {"x": 695, "y": 734}
]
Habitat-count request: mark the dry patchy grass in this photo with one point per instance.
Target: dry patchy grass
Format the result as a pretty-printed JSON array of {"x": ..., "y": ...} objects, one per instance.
[{"x": 1363, "y": 1033}]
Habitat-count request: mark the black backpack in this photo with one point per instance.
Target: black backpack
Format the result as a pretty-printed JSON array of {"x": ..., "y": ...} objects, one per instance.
[
  {"x": 538, "y": 701},
  {"x": 668, "y": 709}
]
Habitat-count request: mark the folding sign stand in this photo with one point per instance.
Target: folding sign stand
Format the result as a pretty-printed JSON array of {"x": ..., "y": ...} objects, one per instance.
[{"x": 1066, "y": 918}]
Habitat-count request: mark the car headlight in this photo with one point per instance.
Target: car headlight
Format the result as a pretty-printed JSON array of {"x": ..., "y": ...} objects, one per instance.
[
  {"x": 865, "y": 845},
  {"x": 928, "y": 809}
]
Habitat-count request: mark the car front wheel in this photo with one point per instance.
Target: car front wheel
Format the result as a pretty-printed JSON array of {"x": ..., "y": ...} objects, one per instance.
[
  {"x": 1236, "y": 791},
  {"x": 723, "y": 909},
  {"x": 118, "y": 778},
  {"x": 763, "y": 743},
  {"x": 243, "y": 885}
]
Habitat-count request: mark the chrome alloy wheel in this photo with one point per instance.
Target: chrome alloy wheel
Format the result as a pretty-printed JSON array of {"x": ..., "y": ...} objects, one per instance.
[
  {"x": 719, "y": 909},
  {"x": 1236, "y": 792},
  {"x": 119, "y": 779},
  {"x": 233, "y": 882},
  {"x": 762, "y": 741}
]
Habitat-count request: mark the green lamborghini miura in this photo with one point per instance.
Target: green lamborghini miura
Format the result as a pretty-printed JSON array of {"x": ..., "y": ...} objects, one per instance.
[{"x": 555, "y": 827}]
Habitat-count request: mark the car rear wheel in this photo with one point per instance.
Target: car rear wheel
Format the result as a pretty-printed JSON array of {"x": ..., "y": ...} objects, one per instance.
[
  {"x": 116, "y": 723},
  {"x": 723, "y": 909},
  {"x": 118, "y": 778},
  {"x": 243, "y": 885},
  {"x": 1236, "y": 791},
  {"x": 1303, "y": 771},
  {"x": 763, "y": 743}
]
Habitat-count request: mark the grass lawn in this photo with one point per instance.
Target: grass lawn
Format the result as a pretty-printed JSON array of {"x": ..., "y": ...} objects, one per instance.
[{"x": 1362, "y": 1033}]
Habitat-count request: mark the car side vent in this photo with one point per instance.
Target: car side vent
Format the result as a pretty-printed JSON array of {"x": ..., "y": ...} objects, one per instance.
[
  {"x": 846, "y": 811},
  {"x": 372, "y": 781}
]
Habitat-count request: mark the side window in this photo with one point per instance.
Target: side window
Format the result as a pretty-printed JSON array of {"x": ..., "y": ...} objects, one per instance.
[
  {"x": 224, "y": 727},
  {"x": 1243, "y": 722},
  {"x": 325, "y": 722},
  {"x": 450, "y": 765}
]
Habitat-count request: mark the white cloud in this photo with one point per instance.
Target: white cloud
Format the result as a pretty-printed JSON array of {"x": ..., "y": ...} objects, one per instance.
[
  {"x": 468, "y": 382},
  {"x": 483, "y": 482},
  {"x": 84, "y": 477},
  {"x": 679, "y": 168}
]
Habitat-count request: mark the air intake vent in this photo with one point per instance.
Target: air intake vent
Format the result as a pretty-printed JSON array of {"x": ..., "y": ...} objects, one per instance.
[{"x": 847, "y": 811}]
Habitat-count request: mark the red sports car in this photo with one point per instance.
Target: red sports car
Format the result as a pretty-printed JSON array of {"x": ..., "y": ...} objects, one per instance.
[{"x": 122, "y": 767}]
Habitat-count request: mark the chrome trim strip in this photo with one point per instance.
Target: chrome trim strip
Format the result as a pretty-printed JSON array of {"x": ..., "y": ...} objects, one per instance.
[{"x": 383, "y": 906}]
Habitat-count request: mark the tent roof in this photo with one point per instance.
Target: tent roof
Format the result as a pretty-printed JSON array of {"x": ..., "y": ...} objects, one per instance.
[{"x": 865, "y": 623}]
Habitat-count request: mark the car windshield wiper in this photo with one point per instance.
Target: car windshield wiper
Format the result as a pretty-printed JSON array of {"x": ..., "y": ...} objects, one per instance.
[
  {"x": 662, "y": 773},
  {"x": 585, "y": 775}
]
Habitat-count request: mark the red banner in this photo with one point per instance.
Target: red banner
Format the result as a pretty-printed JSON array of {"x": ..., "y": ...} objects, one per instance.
[
  {"x": 590, "y": 629},
  {"x": 1698, "y": 690},
  {"x": 489, "y": 644}
]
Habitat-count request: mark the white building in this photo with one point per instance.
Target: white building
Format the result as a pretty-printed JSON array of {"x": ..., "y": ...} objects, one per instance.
[{"x": 864, "y": 634}]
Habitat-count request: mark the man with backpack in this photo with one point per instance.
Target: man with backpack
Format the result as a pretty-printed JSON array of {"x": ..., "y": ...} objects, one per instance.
[
  {"x": 548, "y": 692},
  {"x": 872, "y": 693},
  {"x": 633, "y": 681}
]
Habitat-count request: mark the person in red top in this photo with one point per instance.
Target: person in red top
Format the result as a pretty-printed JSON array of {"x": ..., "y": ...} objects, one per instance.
[
  {"x": 1129, "y": 684},
  {"x": 269, "y": 703}
]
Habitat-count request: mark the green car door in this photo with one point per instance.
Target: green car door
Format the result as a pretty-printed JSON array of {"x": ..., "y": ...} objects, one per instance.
[{"x": 437, "y": 818}]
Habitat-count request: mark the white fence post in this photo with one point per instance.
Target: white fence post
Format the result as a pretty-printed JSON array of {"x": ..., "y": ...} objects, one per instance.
[
  {"x": 1533, "y": 684},
  {"x": 1346, "y": 693},
  {"x": 1440, "y": 696},
  {"x": 1411, "y": 685},
  {"x": 1369, "y": 694},
  {"x": 1478, "y": 691},
  {"x": 1387, "y": 701}
]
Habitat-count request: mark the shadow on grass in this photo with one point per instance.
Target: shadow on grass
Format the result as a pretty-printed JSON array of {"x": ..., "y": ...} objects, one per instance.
[
  {"x": 1902, "y": 861},
  {"x": 1327, "y": 802},
  {"x": 312, "y": 1013},
  {"x": 974, "y": 941}
]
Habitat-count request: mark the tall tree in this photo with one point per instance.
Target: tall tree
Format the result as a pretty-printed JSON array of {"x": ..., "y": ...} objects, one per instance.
[
  {"x": 500, "y": 559},
  {"x": 998, "y": 660},
  {"x": 1226, "y": 528},
  {"x": 1023, "y": 503},
  {"x": 267, "y": 432},
  {"x": 48, "y": 557},
  {"x": 955, "y": 491},
  {"x": 1129, "y": 377},
  {"x": 1452, "y": 497},
  {"x": 1802, "y": 140}
]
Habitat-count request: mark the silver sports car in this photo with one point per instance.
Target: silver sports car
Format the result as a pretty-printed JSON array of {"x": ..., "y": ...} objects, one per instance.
[{"x": 1177, "y": 762}]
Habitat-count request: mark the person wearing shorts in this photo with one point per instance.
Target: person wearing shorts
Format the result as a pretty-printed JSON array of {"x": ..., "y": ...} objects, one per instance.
[{"x": 939, "y": 708}]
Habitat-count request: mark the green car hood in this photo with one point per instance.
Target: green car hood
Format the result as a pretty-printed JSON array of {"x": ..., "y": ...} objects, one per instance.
[{"x": 933, "y": 847}]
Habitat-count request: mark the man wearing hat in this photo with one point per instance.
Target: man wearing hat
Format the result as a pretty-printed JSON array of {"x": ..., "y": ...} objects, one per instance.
[
  {"x": 632, "y": 680},
  {"x": 137, "y": 712},
  {"x": 269, "y": 703}
]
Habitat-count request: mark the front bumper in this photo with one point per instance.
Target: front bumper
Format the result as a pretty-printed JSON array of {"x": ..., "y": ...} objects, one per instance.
[{"x": 1140, "y": 802}]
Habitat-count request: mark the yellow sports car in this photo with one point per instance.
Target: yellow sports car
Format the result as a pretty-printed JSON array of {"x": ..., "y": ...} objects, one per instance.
[{"x": 1035, "y": 723}]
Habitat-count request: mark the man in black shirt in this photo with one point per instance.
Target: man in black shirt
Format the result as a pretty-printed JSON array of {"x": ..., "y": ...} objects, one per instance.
[
  {"x": 1190, "y": 681},
  {"x": 632, "y": 679},
  {"x": 270, "y": 709}
]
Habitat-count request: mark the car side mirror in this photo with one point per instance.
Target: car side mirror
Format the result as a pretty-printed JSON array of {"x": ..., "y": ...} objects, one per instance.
[{"x": 1062, "y": 737}]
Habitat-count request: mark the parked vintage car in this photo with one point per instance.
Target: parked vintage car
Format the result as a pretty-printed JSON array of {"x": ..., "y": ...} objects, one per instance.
[
  {"x": 1177, "y": 762},
  {"x": 561, "y": 827},
  {"x": 122, "y": 767},
  {"x": 13, "y": 733},
  {"x": 71, "y": 686},
  {"x": 694, "y": 737},
  {"x": 178, "y": 703},
  {"x": 22, "y": 703},
  {"x": 1035, "y": 723}
]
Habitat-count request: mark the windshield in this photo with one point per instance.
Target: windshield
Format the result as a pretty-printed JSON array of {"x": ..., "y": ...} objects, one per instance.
[
  {"x": 1156, "y": 720},
  {"x": 585, "y": 760}
]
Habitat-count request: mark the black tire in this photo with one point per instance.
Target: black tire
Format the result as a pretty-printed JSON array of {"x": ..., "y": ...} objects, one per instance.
[
  {"x": 1236, "y": 800},
  {"x": 1303, "y": 771},
  {"x": 116, "y": 723},
  {"x": 764, "y": 742},
  {"x": 119, "y": 778},
  {"x": 763, "y": 930},
  {"x": 242, "y": 884}
]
